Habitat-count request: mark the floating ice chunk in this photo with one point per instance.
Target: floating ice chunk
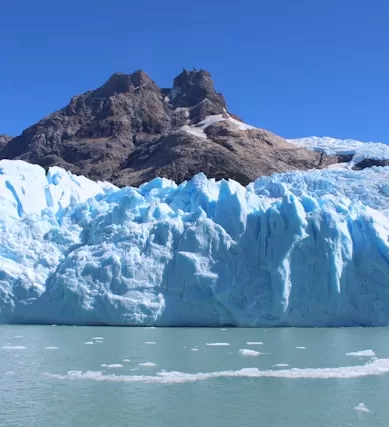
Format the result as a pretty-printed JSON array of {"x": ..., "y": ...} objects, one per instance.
[
  {"x": 249, "y": 353},
  {"x": 301, "y": 347},
  {"x": 88, "y": 342},
  {"x": 13, "y": 347},
  {"x": 217, "y": 344},
  {"x": 362, "y": 408},
  {"x": 150, "y": 342},
  {"x": 126, "y": 360},
  {"x": 147, "y": 364},
  {"x": 362, "y": 353},
  {"x": 98, "y": 338},
  {"x": 194, "y": 349},
  {"x": 18, "y": 336},
  {"x": 112, "y": 365},
  {"x": 254, "y": 343},
  {"x": 51, "y": 348},
  {"x": 281, "y": 365}
]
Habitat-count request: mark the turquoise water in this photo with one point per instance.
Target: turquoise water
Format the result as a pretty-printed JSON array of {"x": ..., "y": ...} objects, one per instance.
[{"x": 155, "y": 377}]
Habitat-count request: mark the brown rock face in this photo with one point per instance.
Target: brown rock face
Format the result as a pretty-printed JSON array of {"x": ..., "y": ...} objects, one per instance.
[{"x": 129, "y": 131}]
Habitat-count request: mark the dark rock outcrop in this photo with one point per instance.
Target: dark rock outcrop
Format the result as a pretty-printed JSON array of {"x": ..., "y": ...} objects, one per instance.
[
  {"x": 368, "y": 163},
  {"x": 4, "y": 139},
  {"x": 129, "y": 131}
]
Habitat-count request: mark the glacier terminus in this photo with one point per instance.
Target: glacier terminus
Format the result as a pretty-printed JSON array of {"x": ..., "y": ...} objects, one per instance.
[{"x": 293, "y": 249}]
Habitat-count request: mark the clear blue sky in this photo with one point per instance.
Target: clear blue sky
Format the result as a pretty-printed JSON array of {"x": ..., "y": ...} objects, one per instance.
[{"x": 296, "y": 67}]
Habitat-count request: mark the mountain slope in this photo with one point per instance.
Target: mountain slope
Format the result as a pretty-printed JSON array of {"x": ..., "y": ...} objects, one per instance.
[{"x": 129, "y": 131}]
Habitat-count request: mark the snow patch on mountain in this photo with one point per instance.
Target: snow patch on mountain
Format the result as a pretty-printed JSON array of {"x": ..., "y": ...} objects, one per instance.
[
  {"x": 198, "y": 128},
  {"x": 210, "y": 120}
]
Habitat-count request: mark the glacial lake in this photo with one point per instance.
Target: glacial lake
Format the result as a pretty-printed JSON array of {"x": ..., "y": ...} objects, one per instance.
[{"x": 108, "y": 376}]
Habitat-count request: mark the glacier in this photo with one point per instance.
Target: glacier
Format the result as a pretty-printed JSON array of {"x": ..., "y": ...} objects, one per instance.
[
  {"x": 293, "y": 249},
  {"x": 333, "y": 146}
]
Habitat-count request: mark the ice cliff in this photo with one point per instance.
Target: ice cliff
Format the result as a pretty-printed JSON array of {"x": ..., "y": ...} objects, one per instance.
[{"x": 304, "y": 249}]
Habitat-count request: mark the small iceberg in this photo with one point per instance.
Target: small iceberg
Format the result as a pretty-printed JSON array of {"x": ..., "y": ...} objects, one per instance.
[
  {"x": 362, "y": 353},
  {"x": 362, "y": 408},
  {"x": 249, "y": 353}
]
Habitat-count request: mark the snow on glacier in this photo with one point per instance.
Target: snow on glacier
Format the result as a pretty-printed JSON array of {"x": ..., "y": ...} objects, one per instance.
[
  {"x": 333, "y": 146},
  {"x": 302, "y": 248}
]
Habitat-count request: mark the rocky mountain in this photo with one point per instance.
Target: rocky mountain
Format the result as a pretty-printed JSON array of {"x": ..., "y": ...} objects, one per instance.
[{"x": 129, "y": 131}]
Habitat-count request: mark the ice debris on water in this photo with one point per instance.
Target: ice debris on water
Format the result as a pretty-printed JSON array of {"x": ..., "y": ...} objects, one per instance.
[
  {"x": 217, "y": 344},
  {"x": 13, "y": 347},
  {"x": 362, "y": 353},
  {"x": 377, "y": 367},
  {"x": 112, "y": 365},
  {"x": 249, "y": 353},
  {"x": 362, "y": 408}
]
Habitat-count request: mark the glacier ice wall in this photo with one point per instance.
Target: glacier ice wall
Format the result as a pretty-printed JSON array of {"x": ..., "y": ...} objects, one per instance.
[{"x": 303, "y": 249}]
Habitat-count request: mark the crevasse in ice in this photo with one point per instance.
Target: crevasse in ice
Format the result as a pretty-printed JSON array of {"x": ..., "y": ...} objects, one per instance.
[{"x": 303, "y": 248}]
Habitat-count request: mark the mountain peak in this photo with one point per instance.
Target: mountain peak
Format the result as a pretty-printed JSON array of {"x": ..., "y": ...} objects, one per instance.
[
  {"x": 129, "y": 130},
  {"x": 193, "y": 77},
  {"x": 194, "y": 86},
  {"x": 123, "y": 83}
]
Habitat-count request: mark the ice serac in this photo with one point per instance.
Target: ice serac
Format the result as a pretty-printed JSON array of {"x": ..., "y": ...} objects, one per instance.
[{"x": 304, "y": 249}]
